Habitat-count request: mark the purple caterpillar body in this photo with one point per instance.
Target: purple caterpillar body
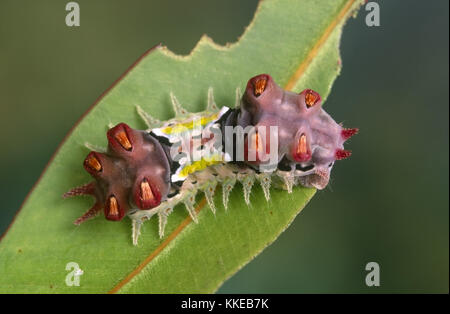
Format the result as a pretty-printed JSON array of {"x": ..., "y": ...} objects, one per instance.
[{"x": 148, "y": 172}]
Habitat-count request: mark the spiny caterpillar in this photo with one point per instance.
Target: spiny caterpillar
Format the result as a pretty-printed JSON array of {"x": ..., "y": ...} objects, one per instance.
[{"x": 277, "y": 137}]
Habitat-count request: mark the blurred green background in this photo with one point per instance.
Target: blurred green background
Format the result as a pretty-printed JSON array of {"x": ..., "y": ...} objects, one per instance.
[{"x": 388, "y": 203}]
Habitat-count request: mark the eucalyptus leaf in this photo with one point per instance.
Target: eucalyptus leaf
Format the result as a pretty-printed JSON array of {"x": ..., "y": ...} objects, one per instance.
[{"x": 297, "y": 42}]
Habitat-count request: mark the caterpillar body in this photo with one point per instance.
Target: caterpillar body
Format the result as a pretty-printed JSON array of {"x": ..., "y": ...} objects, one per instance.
[{"x": 275, "y": 137}]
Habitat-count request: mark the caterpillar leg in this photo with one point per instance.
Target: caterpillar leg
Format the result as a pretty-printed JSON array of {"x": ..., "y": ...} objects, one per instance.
[
  {"x": 189, "y": 203},
  {"x": 136, "y": 230},
  {"x": 265, "y": 178},
  {"x": 162, "y": 216},
  {"x": 288, "y": 179},
  {"x": 227, "y": 186},
  {"x": 177, "y": 108},
  {"x": 212, "y": 107},
  {"x": 209, "y": 194},
  {"x": 247, "y": 178},
  {"x": 226, "y": 174},
  {"x": 162, "y": 211},
  {"x": 207, "y": 183},
  {"x": 150, "y": 121}
]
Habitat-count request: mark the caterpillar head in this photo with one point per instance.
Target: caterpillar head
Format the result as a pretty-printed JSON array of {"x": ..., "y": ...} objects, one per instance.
[
  {"x": 309, "y": 140},
  {"x": 133, "y": 173}
]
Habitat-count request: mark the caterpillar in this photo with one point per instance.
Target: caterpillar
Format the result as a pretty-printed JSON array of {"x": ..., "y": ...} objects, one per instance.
[{"x": 279, "y": 138}]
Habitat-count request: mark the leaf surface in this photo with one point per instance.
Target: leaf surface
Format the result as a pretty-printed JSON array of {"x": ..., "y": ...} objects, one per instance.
[{"x": 297, "y": 42}]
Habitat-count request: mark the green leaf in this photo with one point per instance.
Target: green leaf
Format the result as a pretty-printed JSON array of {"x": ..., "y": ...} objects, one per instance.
[{"x": 296, "y": 41}]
